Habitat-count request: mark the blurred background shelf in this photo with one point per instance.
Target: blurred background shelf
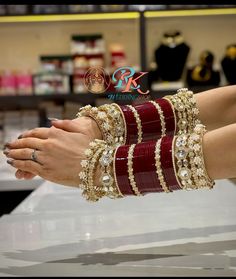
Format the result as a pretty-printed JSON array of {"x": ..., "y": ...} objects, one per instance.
[
  {"x": 24, "y": 101},
  {"x": 190, "y": 12}
]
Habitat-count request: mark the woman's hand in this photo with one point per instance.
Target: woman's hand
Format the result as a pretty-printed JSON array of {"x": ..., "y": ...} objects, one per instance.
[
  {"x": 85, "y": 125},
  {"x": 65, "y": 144}
]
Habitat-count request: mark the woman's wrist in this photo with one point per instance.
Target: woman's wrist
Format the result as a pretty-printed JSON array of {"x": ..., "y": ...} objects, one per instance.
[
  {"x": 95, "y": 128},
  {"x": 91, "y": 126},
  {"x": 109, "y": 121}
]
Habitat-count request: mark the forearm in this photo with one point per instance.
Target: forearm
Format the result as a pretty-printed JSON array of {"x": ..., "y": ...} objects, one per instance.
[
  {"x": 217, "y": 107},
  {"x": 220, "y": 152},
  {"x": 214, "y": 108},
  {"x": 171, "y": 163}
]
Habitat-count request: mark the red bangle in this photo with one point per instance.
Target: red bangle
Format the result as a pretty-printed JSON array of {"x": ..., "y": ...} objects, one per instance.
[
  {"x": 169, "y": 116},
  {"x": 150, "y": 121},
  {"x": 121, "y": 169},
  {"x": 144, "y": 168},
  {"x": 167, "y": 163},
  {"x": 150, "y": 174},
  {"x": 131, "y": 125}
]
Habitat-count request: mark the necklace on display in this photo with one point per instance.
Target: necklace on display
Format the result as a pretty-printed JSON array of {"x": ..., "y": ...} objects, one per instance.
[{"x": 172, "y": 41}]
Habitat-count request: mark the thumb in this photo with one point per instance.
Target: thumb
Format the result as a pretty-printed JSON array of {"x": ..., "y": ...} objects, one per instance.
[{"x": 67, "y": 125}]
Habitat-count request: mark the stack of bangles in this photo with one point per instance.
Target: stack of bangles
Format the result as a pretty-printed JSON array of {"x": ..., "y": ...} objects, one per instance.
[{"x": 147, "y": 148}]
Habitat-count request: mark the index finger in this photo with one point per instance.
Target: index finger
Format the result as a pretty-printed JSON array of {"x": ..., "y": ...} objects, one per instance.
[
  {"x": 33, "y": 143},
  {"x": 41, "y": 133}
]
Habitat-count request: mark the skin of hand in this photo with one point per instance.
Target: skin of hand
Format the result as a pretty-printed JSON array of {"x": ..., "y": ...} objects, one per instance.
[
  {"x": 84, "y": 126},
  {"x": 217, "y": 106}
]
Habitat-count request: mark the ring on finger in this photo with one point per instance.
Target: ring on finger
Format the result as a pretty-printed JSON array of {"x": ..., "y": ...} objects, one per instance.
[{"x": 34, "y": 156}]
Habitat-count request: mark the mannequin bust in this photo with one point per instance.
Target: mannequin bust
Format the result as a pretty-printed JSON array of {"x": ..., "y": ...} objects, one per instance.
[
  {"x": 171, "y": 56},
  {"x": 203, "y": 74},
  {"x": 228, "y": 64}
]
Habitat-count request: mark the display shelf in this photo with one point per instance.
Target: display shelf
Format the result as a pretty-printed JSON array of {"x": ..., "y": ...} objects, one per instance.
[
  {"x": 25, "y": 100},
  {"x": 69, "y": 17},
  {"x": 86, "y": 98},
  {"x": 115, "y": 15},
  {"x": 194, "y": 12}
]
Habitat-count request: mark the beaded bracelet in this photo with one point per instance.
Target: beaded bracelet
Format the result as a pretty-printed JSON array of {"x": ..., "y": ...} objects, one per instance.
[
  {"x": 185, "y": 109},
  {"x": 160, "y": 112},
  {"x": 189, "y": 160},
  {"x": 90, "y": 191},
  {"x": 117, "y": 122},
  {"x": 159, "y": 167},
  {"x": 98, "y": 152},
  {"x": 107, "y": 177},
  {"x": 110, "y": 121},
  {"x": 138, "y": 123}
]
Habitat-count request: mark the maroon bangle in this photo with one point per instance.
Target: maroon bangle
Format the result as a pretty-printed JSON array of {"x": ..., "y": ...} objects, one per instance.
[
  {"x": 144, "y": 168},
  {"x": 150, "y": 121},
  {"x": 167, "y": 163},
  {"x": 168, "y": 116},
  {"x": 131, "y": 125},
  {"x": 121, "y": 169}
]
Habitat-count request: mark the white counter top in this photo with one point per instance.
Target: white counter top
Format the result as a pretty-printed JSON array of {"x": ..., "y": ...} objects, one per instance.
[{"x": 56, "y": 232}]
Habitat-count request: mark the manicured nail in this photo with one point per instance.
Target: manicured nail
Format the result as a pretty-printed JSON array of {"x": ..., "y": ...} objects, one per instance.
[
  {"x": 10, "y": 161},
  {"x": 6, "y": 151},
  {"x": 6, "y": 145},
  {"x": 52, "y": 119},
  {"x": 20, "y": 136}
]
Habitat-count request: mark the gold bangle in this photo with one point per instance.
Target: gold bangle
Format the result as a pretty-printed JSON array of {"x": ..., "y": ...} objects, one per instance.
[
  {"x": 116, "y": 122},
  {"x": 110, "y": 121},
  {"x": 189, "y": 160},
  {"x": 107, "y": 178},
  {"x": 173, "y": 162},
  {"x": 114, "y": 173},
  {"x": 173, "y": 110},
  {"x": 101, "y": 119},
  {"x": 90, "y": 192},
  {"x": 130, "y": 170},
  {"x": 94, "y": 192},
  {"x": 185, "y": 109},
  {"x": 123, "y": 121},
  {"x": 158, "y": 166},
  {"x": 162, "y": 118},
  {"x": 138, "y": 122},
  {"x": 196, "y": 145}
]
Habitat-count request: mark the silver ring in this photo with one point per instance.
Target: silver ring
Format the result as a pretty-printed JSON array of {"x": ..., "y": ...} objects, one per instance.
[{"x": 33, "y": 156}]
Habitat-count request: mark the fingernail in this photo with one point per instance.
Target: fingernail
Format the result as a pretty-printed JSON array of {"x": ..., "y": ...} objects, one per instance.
[
  {"x": 6, "y": 151},
  {"x": 20, "y": 136},
  {"x": 10, "y": 161},
  {"x": 6, "y": 145},
  {"x": 52, "y": 119}
]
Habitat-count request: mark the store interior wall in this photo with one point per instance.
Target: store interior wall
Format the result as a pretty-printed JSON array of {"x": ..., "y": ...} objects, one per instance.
[{"x": 23, "y": 43}]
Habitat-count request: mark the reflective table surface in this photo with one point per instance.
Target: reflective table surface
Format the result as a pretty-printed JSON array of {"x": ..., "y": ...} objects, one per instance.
[{"x": 55, "y": 232}]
